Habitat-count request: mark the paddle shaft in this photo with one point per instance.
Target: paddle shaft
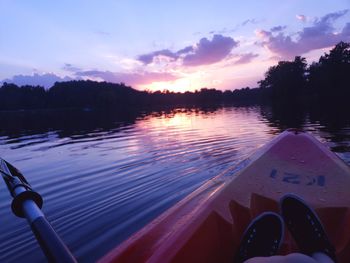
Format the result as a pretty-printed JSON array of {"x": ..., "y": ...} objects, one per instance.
[
  {"x": 51, "y": 244},
  {"x": 27, "y": 203}
]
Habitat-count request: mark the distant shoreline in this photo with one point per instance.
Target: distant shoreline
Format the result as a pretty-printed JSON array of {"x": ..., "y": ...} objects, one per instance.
[{"x": 291, "y": 84}]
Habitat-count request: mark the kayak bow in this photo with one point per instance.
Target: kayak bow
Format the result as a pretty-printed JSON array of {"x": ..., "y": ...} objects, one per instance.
[{"x": 207, "y": 225}]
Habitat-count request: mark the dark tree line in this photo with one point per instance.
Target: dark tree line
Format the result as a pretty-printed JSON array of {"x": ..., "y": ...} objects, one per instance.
[
  {"x": 91, "y": 94},
  {"x": 13, "y": 97},
  {"x": 325, "y": 82},
  {"x": 289, "y": 83},
  {"x": 320, "y": 91},
  {"x": 329, "y": 78}
]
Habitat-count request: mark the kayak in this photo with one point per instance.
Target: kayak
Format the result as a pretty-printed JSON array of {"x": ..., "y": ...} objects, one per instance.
[{"x": 207, "y": 225}]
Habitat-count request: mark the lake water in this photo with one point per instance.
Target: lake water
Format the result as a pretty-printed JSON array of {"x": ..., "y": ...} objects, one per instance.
[{"x": 104, "y": 175}]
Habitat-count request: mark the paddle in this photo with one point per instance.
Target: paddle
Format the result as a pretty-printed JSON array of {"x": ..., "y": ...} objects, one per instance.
[{"x": 27, "y": 203}]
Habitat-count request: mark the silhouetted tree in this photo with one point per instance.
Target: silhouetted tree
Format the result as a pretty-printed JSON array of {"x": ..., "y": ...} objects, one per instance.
[
  {"x": 13, "y": 97},
  {"x": 329, "y": 78},
  {"x": 286, "y": 80}
]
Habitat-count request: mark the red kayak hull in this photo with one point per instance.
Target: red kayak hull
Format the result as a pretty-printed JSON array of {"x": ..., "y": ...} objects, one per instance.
[{"x": 207, "y": 225}]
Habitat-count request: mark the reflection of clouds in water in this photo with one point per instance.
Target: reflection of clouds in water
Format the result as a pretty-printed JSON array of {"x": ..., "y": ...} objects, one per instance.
[{"x": 208, "y": 139}]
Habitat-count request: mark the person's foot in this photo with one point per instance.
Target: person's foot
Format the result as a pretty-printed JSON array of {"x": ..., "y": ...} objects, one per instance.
[
  {"x": 305, "y": 226},
  {"x": 262, "y": 238}
]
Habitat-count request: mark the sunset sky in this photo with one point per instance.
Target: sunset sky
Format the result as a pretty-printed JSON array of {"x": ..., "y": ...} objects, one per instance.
[{"x": 157, "y": 45}]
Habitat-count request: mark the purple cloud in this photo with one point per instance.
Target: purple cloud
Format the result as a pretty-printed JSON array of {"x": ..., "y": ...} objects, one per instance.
[
  {"x": 185, "y": 50},
  {"x": 209, "y": 52},
  {"x": 249, "y": 21},
  {"x": 46, "y": 80},
  {"x": 245, "y": 58},
  {"x": 203, "y": 53},
  {"x": 70, "y": 68},
  {"x": 226, "y": 30},
  {"x": 49, "y": 79},
  {"x": 331, "y": 16},
  {"x": 346, "y": 30},
  {"x": 137, "y": 78},
  {"x": 148, "y": 58},
  {"x": 277, "y": 28},
  {"x": 320, "y": 35}
]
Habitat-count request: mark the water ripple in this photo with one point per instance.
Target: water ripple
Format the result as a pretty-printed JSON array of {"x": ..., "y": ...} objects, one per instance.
[{"x": 102, "y": 185}]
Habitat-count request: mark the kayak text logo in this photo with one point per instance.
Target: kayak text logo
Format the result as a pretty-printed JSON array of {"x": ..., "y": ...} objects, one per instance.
[{"x": 293, "y": 178}]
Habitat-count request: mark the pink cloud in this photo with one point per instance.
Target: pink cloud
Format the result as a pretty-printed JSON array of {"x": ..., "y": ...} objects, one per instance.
[
  {"x": 263, "y": 34},
  {"x": 210, "y": 51},
  {"x": 320, "y": 35},
  {"x": 301, "y": 18},
  {"x": 136, "y": 78},
  {"x": 148, "y": 58},
  {"x": 245, "y": 58},
  {"x": 205, "y": 52}
]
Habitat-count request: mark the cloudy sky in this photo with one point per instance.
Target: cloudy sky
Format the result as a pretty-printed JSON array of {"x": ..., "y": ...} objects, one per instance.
[{"x": 155, "y": 44}]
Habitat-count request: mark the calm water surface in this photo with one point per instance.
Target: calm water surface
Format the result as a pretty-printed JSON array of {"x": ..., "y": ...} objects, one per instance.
[{"x": 103, "y": 176}]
